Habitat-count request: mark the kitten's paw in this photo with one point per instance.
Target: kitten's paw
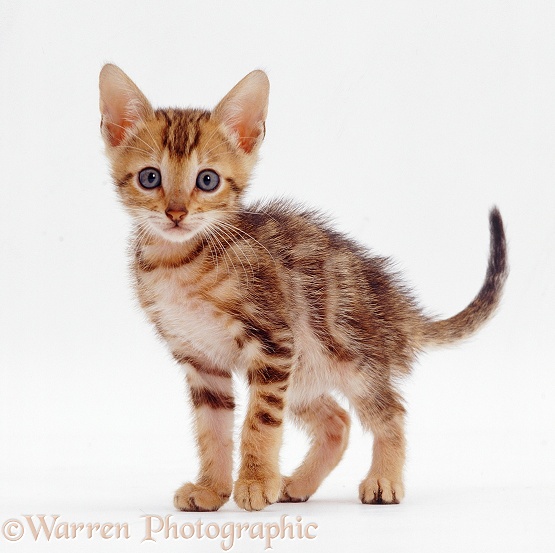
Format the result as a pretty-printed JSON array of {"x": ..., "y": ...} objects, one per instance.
[
  {"x": 254, "y": 495},
  {"x": 380, "y": 491},
  {"x": 293, "y": 492},
  {"x": 192, "y": 497}
]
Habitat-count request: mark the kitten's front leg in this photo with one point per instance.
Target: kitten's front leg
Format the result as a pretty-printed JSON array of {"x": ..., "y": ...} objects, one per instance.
[
  {"x": 212, "y": 398},
  {"x": 259, "y": 483}
]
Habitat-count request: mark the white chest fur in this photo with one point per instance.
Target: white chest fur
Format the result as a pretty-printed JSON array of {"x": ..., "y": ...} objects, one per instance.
[{"x": 186, "y": 320}]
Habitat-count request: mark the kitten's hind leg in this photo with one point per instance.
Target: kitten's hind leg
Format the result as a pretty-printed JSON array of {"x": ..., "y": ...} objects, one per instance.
[
  {"x": 383, "y": 414},
  {"x": 212, "y": 398},
  {"x": 328, "y": 424}
]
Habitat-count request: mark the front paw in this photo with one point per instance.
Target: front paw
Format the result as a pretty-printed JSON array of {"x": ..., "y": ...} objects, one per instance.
[
  {"x": 255, "y": 494},
  {"x": 193, "y": 497},
  {"x": 380, "y": 491}
]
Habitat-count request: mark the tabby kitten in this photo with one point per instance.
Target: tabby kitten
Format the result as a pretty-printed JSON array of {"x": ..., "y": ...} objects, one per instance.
[{"x": 270, "y": 292}]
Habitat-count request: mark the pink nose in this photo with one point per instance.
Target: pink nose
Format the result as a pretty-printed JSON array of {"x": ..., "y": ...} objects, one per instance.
[{"x": 175, "y": 216}]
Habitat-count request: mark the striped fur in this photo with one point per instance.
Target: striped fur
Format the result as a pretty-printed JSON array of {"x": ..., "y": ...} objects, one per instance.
[{"x": 270, "y": 292}]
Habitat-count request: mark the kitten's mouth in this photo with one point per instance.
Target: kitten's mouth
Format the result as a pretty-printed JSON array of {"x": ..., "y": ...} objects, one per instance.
[
  {"x": 178, "y": 227},
  {"x": 178, "y": 232}
]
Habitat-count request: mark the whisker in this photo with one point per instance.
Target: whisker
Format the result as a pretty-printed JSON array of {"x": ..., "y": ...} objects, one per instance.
[
  {"x": 222, "y": 226},
  {"x": 206, "y": 236},
  {"x": 145, "y": 230},
  {"x": 142, "y": 151},
  {"x": 249, "y": 236},
  {"x": 212, "y": 136},
  {"x": 224, "y": 254},
  {"x": 216, "y": 129},
  {"x": 222, "y": 143},
  {"x": 209, "y": 156},
  {"x": 218, "y": 237},
  {"x": 239, "y": 211},
  {"x": 153, "y": 141},
  {"x": 230, "y": 237},
  {"x": 134, "y": 135}
]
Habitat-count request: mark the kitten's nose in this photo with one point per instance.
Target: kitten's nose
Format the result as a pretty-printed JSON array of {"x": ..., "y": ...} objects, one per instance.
[{"x": 175, "y": 215}]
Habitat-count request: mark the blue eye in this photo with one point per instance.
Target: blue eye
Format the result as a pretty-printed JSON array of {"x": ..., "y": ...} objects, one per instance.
[
  {"x": 208, "y": 180},
  {"x": 150, "y": 178}
]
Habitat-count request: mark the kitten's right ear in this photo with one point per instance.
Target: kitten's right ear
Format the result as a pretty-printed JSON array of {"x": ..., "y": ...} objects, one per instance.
[{"x": 122, "y": 104}]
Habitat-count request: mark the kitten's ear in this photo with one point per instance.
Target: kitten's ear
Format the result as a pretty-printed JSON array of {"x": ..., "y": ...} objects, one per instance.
[
  {"x": 122, "y": 104},
  {"x": 243, "y": 110}
]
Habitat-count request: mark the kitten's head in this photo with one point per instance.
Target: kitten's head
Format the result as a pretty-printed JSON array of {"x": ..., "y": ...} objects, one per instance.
[{"x": 180, "y": 170}]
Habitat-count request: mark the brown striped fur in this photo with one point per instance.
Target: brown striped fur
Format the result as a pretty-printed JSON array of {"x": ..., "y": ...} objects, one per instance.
[{"x": 271, "y": 292}]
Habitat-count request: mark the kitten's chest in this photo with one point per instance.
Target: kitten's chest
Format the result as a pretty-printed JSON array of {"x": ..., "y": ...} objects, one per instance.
[{"x": 184, "y": 317}]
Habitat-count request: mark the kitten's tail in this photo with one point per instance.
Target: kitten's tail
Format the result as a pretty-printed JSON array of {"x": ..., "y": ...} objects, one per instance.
[{"x": 484, "y": 304}]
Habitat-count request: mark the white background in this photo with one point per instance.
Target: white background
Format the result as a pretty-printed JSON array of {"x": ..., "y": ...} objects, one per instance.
[{"x": 406, "y": 121}]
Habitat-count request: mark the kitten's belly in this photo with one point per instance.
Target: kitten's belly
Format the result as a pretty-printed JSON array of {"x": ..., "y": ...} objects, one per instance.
[{"x": 316, "y": 373}]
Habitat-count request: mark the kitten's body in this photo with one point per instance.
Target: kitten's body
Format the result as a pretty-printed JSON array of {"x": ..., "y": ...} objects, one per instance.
[
  {"x": 336, "y": 305},
  {"x": 270, "y": 292}
]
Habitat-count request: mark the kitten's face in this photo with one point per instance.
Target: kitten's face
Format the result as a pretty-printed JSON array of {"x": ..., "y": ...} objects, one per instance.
[{"x": 179, "y": 172}]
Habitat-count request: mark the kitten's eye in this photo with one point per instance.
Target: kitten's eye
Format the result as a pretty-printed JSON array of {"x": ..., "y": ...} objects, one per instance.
[
  {"x": 150, "y": 178},
  {"x": 208, "y": 180}
]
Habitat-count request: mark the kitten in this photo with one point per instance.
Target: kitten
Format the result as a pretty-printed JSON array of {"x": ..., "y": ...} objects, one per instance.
[{"x": 270, "y": 292}]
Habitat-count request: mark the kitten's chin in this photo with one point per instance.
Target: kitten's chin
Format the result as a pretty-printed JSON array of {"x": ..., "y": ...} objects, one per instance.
[{"x": 178, "y": 234}]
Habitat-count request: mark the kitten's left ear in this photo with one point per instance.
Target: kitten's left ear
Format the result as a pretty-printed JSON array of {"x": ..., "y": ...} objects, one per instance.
[
  {"x": 243, "y": 110},
  {"x": 122, "y": 104}
]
